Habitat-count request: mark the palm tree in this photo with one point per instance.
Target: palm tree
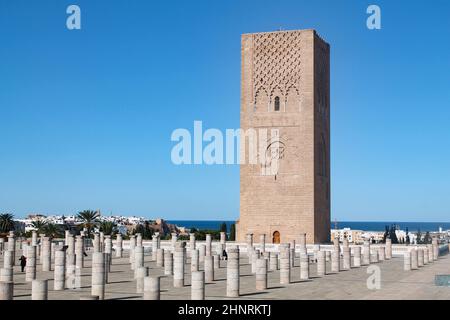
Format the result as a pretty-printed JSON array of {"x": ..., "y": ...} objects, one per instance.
[
  {"x": 6, "y": 222},
  {"x": 89, "y": 220},
  {"x": 39, "y": 225},
  {"x": 109, "y": 228},
  {"x": 53, "y": 230}
]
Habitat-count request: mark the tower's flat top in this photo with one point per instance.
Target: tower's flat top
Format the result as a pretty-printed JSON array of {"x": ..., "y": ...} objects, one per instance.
[{"x": 286, "y": 31}]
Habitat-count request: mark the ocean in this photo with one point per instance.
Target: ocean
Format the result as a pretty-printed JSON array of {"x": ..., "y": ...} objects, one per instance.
[{"x": 355, "y": 225}]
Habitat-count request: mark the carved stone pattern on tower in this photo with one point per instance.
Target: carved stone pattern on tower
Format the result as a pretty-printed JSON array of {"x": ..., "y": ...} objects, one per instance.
[{"x": 276, "y": 63}]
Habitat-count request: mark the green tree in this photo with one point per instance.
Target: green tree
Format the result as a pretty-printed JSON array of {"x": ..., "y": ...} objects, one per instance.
[
  {"x": 419, "y": 236},
  {"x": 109, "y": 228},
  {"x": 427, "y": 239},
  {"x": 53, "y": 230},
  {"x": 6, "y": 222},
  {"x": 223, "y": 227},
  {"x": 89, "y": 220},
  {"x": 39, "y": 225},
  {"x": 145, "y": 230},
  {"x": 233, "y": 232}
]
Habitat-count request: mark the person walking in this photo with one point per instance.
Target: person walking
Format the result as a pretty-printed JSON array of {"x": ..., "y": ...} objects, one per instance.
[{"x": 23, "y": 262}]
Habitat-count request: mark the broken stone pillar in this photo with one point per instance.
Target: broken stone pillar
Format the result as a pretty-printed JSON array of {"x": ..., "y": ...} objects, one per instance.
[
  {"x": 374, "y": 256},
  {"x": 46, "y": 258},
  {"x": 191, "y": 242},
  {"x": 302, "y": 242},
  {"x": 141, "y": 273},
  {"x": 108, "y": 244},
  {"x": 6, "y": 290},
  {"x": 223, "y": 238},
  {"x": 12, "y": 246},
  {"x": 262, "y": 243},
  {"x": 430, "y": 253},
  {"x": 209, "y": 269},
  {"x": 261, "y": 274},
  {"x": 435, "y": 245},
  {"x": 208, "y": 245},
  {"x": 316, "y": 250},
  {"x": 132, "y": 246},
  {"x": 174, "y": 240},
  {"x": 420, "y": 257},
  {"x": 381, "y": 253},
  {"x": 407, "y": 261},
  {"x": 2, "y": 245},
  {"x": 388, "y": 249},
  {"x": 273, "y": 261},
  {"x": 152, "y": 288},
  {"x": 160, "y": 258},
  {"x": 178, "y": 264},
  {"x": 60, "y": 270},
  {"x": 414, "y": 260},
  {"x": 346, "y": 265},
  {"x": 119, "y": 246},
  {"x": 139, "y": 258},
  {"x": 194, "y": 260},
  {"x": 96, "y": 243},
  {"x": 39, "y": 290},
  {"x": 327, "y": 256},
  {"x": 30, "y": 269},
  {"x": 198, "y": 285},
  {"x": 138, "y": 239},
  {"x": 292, "y": 255},
  {"x": 154, "y": 247},
  {"x": 79, "y": 252},
  {"x": 102, "y": 241},
  {"x": 285, "y": 264},
  {"x": 6, "y": 274},
  {"x": 8, "y": 259},
  {"x": 66, "y": 236},
  {"x": 357, "y": 257},
  {"x": 425, "y": 256},
  {"x": 201, "y": 253},
  {"x": 304, "y": 266},
  {"x": 98, "y": 275},
  {"x": 366, "y": 253},
  {"x": 335, "y": 260},
  {"x": 107, "y": 265},
  {"x": 255, "y": 256},
  {"x": 216, "y": 258},
  {"x": 321, "y": 264},
  {"x": 233, "y": 272},
  {"x": 168, "y": 263},
  {"x": 249, "y": 240}
]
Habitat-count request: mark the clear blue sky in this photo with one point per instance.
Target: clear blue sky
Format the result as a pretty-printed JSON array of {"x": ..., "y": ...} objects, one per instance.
[{"x": 86, "y": 116}]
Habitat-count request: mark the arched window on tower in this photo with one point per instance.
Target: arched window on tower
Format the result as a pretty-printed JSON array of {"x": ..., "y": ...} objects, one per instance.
[{"x": 277, "y": 104}]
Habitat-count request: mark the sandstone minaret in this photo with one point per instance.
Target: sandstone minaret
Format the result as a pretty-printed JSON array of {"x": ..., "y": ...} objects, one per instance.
[{"x": 286, "y": 90}]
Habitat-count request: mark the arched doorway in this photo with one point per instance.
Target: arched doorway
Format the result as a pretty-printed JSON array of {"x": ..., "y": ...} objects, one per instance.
[{"x": 276, "y": 237}]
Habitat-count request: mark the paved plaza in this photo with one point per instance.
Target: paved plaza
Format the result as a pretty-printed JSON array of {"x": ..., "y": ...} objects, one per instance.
[{"x": 351, "y": 284}]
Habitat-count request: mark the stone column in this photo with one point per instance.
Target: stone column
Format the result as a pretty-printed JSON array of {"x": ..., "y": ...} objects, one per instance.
[
  {"x": 138, "y": 239},
  {"x": 233, "y": 272},
  {"x": 152, "y": 288},
  {"x": 174, "y": 239},
  {"x": 425, "y": 256},
  {"x": 98, "y": 275},
  {"x": 96, "y": 243},
  {"x": 407, "y": 261},
  {"x": 107, "y": 258},
  {"x": 420, "y": 257},
  {"x": 8, "y": 259},
  {"x": 292, "y": 255},
  {"x": 347, "y": 257},
  {"x": 285, "y": 264},
  {"x": 249, "y": 240},
  {"x": 6, "y": 274},
  {"x": 209, "y": 269},
  {"x": 119, "y": 246},
  {"x": 273, "y": 261},
  {"x": 2, "y": 245},
  {"x": 178, "y": 264},
  {"x": 430, "y": 253},
  {"x": 191, "y": 242},
  {"x": 366, "y": 253},
  {"x": 66, "y": 236},
  {"x": 168, "y": 263},
  {"x": 414, "y": 260},
  {"x": 435, "y": 249},
  {"x": 34, "y": 237},
  {"x": 141, "y": 273},
  {"x": 39, "y": 290},
  {"x": 374, "y": 256},
  {"x": 30, "y": 269},
  {"x": 12, "y": 246},
  {"x": 70, "y": 245},
  {"x": 216, "y": 258},
  {"x": 262, "y": 242},
  {"x": 304, "y": 266},
  {"x": 357, "y": 257},
  {"x": 154, "y": 247},
  {"x": 321, "y": 264},
  {"x": 79, "y": 252},
  {"x": 160, "y": 258},
  {"x": 102, "y": 242},
  {"x": 255, "y": 256},
  {"x": 108, "y": 244},
  {"x": 138, "y": 258},
  {"x": 6, "y": 290},
  {"x": 381, "y": 253},
  {"x": 335, "y": 260},
  {"x": 60, "y": 270},
  {"x": 261, "y": 274},
  {"x": 208, "y": 245},
  {"x": 327, "y": 256},
  {"x": 132, "y": 246},
  {"x": 388, "y": 249},
  {"x": 198, "y": 285},
  {"x": 302, "y": 243},
  {"x": 46, "y": 258},
  {"x": 201, "y": 253},
  {"x": 194, "y": 260},
  {"x": 316, "y": 250},
  {"x": 223, "y": 238}
]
